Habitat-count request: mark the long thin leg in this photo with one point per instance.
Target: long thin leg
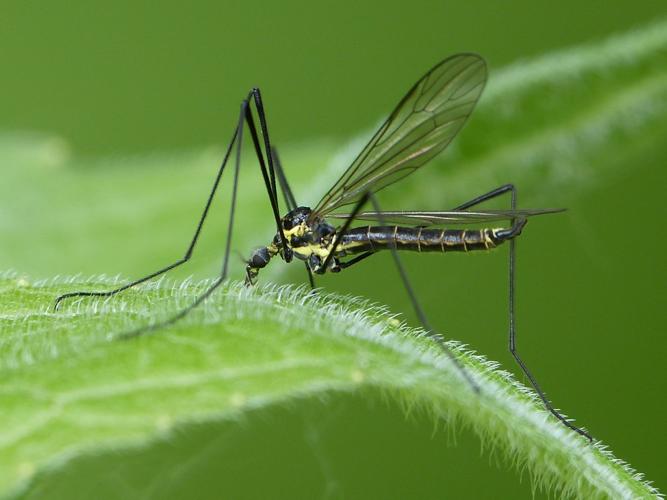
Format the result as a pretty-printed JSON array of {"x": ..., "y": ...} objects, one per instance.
[
  {"x": 311, "y": 278},
  {"x": 358, "y": 258},
  {"x": 348, "y": 222},
  {"x": 225, "y": 262},
  {"x": 418, "y": 309},
  {"x": 487, "y": 196},
  {"x": 406, "y": 283},
  {"x": 188, "y": 252},
  {"x": 512, "y": 317},
  {"x": 269, "y": 181},
  {"x": 270, "y": 176},
  {"x": 512, "y": 338},
  {"x": 257, "y": 97},
  {"x": 290, "y": 201}
]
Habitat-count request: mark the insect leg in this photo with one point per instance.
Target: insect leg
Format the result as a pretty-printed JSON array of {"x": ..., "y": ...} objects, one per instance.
[
  {"x": 418, "y": 309},
  {"x": 431, "y": 333},
  {"x": 269, "y": 181},
  {"x": 512, "y": 337},
  {"x": 358, "y": 258},
  {"x": 512, "y": 318},
  {"x": 270, "y": 176},
  {"x": 290, "y": 201},
  {"x": 487, "y": 196},
  {"x": 188, "y": 252},
  {"x": 339, "y": 234},
  {"x": 230, "y": 226}
]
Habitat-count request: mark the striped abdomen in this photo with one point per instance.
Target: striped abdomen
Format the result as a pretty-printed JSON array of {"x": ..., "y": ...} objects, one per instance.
[{"x": 372, "y": 238}]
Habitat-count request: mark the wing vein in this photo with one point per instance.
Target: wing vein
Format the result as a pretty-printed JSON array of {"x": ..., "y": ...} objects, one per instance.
[{"x": 425, "y": 121}]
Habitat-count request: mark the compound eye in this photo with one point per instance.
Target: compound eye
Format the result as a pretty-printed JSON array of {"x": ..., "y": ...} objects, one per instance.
[{"x": 287, "y": 224}]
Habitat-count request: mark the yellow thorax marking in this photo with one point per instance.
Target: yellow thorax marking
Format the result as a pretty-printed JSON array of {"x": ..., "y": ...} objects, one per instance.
[
  {"x": 321, "y": 251},
  {"x": 298, "y": 230},
  {"x": 308, "y": 250}
]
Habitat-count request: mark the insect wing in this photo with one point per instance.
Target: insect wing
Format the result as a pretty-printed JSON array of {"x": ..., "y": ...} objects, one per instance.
[
  {"x": 415, "y": 218},
  {"x": 422, "y": 125}
]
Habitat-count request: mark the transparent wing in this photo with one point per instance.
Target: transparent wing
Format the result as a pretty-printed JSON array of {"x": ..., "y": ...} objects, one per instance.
[
  {"x": 422, "y": 125},
  {"x": 424, "y": 219}
]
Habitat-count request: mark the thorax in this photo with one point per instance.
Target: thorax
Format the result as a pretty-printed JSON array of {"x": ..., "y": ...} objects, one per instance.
[{"x": 306, "y": 237}]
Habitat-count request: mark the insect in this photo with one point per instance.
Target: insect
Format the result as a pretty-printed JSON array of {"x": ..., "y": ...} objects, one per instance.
[{"x": 423, "y": 123}]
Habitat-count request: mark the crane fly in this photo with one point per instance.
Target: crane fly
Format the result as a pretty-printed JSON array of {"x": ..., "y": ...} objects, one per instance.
[{"x": 423, "y": 123}]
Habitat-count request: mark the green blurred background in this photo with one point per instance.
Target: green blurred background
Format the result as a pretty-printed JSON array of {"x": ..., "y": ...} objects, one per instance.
[{"x": 128, "y": 79}]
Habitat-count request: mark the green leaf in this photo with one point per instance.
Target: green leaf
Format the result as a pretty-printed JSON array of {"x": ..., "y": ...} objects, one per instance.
[{"x": 73, "y": 397}]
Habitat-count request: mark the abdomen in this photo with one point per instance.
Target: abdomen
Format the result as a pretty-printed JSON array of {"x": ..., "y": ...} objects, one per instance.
[{"x": 374, "y": 238}]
